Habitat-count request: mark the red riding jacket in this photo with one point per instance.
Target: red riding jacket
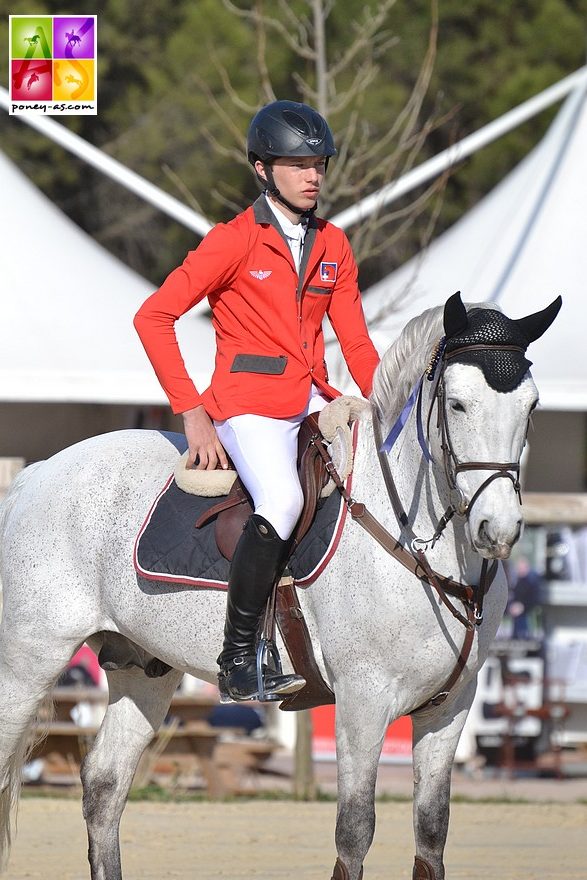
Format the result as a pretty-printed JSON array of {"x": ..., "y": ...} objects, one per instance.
[{"x": 268, "y": 322}]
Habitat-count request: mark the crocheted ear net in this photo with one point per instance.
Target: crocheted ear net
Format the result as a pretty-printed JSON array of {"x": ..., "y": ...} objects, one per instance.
[{"x": 503, "y": 370}]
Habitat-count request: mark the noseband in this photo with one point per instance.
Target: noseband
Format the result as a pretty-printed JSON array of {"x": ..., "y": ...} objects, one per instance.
[{"x": 452, "y": 466}]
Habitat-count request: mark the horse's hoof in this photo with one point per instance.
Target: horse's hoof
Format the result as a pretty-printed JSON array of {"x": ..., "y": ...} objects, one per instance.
[
  {"x": 341, "y": 872},
  {"x": 423, "y": 870},
  {"x": 155, "y": 668}
]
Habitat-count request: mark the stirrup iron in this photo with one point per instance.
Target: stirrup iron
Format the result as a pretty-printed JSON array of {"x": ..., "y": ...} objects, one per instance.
[
  {"x": 267, "y": 652},
  {"x": 268, "y": 655}
]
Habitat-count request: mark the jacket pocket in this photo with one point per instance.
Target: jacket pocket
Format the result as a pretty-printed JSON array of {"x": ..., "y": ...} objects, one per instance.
[
  {"x": 259, "y": 363},
  {"x": 324, "y": 290}
]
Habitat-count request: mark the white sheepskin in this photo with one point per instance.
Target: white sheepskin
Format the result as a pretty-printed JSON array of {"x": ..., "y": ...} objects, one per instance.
[{"x": 334, "y": 424}]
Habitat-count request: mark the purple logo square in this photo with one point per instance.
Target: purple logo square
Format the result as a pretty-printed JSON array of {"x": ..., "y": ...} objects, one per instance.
[{"x": 74, "y": 36}]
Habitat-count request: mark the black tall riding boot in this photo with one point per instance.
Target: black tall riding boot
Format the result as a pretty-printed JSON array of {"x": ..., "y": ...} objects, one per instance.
[{"x": 257, "y": 563}]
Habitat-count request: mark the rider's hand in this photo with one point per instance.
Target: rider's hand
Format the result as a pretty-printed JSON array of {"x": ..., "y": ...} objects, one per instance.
[{"x": 204, "y": 446}]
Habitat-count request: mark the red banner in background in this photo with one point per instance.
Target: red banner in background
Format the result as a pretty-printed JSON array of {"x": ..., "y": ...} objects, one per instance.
[{"x": 397, "y": 747}]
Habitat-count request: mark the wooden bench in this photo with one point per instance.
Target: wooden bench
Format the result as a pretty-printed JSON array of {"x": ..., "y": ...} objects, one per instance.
[
  {"x": 66, "y": 744},
  {"x": 239, "y": 760},
  {"x": 186, "y": 707},
  {"x": 228, "y": 762}
]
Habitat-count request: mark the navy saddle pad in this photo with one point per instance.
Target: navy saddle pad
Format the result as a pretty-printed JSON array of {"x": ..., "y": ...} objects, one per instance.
[{"x": 171, "y": 549}]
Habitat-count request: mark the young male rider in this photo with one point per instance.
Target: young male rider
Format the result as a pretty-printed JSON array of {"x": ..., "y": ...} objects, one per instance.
[{"x": 270, "y": 276}]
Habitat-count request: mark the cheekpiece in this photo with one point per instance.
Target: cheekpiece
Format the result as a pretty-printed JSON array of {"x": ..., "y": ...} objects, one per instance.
[{"x": 503, "y": 369}]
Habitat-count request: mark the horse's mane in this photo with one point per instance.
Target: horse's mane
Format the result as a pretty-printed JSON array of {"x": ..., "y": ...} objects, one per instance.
[{"x": 406, "y": 359}]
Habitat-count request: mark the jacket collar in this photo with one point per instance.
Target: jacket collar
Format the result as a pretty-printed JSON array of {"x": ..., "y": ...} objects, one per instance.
[{"x": 264, "y": 214}]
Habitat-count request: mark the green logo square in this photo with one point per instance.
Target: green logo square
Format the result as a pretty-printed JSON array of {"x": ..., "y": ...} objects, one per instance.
[{"x": 31, "y": 36}]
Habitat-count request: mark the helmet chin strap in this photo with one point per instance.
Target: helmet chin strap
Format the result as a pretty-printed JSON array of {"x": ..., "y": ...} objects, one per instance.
[{"x": 272, "y": 189}]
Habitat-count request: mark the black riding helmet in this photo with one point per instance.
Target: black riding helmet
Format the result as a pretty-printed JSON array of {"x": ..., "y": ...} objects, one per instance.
[{"x": 283, "y": 129}]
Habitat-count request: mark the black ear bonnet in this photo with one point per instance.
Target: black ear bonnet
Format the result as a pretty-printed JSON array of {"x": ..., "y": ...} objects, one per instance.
[{"x": 503, "y": 368}]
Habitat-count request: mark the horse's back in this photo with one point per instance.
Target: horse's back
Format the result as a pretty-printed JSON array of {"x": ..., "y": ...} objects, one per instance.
[
  {"x": 103, "y": 461},
  {"x": 93, "y": 493}
]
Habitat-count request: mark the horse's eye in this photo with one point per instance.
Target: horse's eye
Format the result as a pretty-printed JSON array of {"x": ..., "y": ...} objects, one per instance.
[{"x": 456, "y": 406}]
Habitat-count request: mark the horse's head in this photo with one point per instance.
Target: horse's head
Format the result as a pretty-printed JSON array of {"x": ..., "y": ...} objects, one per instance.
[{"x": 484, "y": 395}]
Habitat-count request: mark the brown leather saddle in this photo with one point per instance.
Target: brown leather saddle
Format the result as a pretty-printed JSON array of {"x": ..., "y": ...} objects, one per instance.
[{"x": 283, "y": 607}]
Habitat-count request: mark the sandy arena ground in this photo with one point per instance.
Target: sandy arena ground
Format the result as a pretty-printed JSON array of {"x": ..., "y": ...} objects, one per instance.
[{"x": 271, "y": 840}]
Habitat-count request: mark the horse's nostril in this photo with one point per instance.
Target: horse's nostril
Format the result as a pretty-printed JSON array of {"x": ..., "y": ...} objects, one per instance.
[{"x": 483, "y": 536}]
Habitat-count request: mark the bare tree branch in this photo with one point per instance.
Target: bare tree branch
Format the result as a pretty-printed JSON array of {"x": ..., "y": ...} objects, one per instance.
[
  {"x": 302, "y": 47},
  {"x": 369, "y": 155},
  {"x": 365, "y": 35},
  {"x": 182, "y": 188}
]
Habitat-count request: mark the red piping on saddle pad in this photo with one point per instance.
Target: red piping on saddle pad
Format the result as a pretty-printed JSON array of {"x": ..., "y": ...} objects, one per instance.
[
  {"x": 207, "y": 583},
  {"x": 186, "y": 580}
]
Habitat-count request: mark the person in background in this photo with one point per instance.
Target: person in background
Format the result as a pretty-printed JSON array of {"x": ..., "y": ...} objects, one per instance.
[{"x": 524, "y": 599}]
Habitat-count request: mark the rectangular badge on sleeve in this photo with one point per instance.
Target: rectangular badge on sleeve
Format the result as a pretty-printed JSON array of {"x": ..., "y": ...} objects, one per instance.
[{"x": 328, "y": 272}]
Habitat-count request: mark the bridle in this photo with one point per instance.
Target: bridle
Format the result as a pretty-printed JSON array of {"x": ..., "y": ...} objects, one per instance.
[
  {"x": 415, "y": 559},
  {"x": 452, "y": 466}
]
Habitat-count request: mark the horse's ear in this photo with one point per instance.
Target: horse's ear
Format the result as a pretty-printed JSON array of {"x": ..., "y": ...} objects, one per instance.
[
  {"x": 533, "y": 326},
  {"x": 455, "y": 316}
]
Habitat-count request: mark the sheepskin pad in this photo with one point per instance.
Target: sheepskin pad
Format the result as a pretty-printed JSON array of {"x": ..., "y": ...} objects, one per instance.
[{"x": 334, "y": 424}]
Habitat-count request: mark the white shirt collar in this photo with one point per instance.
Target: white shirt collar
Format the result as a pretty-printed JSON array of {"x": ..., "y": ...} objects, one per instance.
[{"x": 296, "y": 231}]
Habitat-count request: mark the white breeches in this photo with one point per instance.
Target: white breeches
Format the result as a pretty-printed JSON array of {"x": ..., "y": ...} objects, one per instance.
[{"x": 264, "y": 452}]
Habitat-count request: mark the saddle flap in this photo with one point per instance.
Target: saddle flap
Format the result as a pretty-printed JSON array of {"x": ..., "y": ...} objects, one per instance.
[{"x": 232, "y": 518}]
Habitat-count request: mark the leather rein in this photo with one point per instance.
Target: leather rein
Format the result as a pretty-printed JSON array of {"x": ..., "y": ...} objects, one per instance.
[{"x": 471, "y": 596}]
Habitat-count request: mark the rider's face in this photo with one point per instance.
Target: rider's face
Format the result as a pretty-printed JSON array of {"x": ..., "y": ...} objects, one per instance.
[{"x": 298, "y": 179}]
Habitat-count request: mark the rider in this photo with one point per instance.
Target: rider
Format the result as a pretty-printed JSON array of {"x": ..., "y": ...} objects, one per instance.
[{"x": 270, "y": 275}]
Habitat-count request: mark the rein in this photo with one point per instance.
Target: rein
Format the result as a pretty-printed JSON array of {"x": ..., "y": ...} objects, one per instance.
[
  {"x": 415, "y": 560},
  {"x": 417, "y": 564}
]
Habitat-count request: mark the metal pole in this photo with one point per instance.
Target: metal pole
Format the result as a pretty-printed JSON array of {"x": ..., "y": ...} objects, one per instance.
[
  {"x": 388, "y": 194},
  {"x": 451, "y": 156},
  {"x": 114, "y": 169}
]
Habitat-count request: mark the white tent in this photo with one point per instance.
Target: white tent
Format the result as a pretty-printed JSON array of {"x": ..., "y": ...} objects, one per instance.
[
  {"x": 67, "y": 307},
  {"x": 520, "y": 246}
]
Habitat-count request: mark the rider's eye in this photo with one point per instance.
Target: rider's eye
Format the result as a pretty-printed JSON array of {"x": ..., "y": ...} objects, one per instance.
[{"x": 456, "y": 406}]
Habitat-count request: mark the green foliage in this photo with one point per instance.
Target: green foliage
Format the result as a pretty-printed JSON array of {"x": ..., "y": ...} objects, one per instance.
[{"x": 165, "y": 108}]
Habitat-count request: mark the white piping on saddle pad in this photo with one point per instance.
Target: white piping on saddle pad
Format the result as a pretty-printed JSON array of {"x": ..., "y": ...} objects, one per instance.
[{"x": 334, "y": 424}]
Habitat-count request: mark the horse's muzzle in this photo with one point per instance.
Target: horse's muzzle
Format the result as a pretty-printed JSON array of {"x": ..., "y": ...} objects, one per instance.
[{"x": 495, "y": 546}]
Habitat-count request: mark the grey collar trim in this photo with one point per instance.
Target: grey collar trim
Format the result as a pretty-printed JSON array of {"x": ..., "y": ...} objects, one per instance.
[{"x": 264, "y": 214}]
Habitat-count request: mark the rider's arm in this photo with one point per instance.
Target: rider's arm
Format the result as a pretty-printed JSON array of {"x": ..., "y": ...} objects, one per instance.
[{"x": 208, "y": 268}]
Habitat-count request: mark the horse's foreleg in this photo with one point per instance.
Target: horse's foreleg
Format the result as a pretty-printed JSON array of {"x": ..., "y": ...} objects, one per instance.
[
  {"x": 360, "y": 730},
  {"x": 136, "y": 710},
  {"x": 435, "y": 737}
]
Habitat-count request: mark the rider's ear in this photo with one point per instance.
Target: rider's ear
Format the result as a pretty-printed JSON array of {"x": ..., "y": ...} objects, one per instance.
[
  {"x": 533, "y": 326},
  {"x": 260, "y": 169},
  {"x": 455, "y": 316}
]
